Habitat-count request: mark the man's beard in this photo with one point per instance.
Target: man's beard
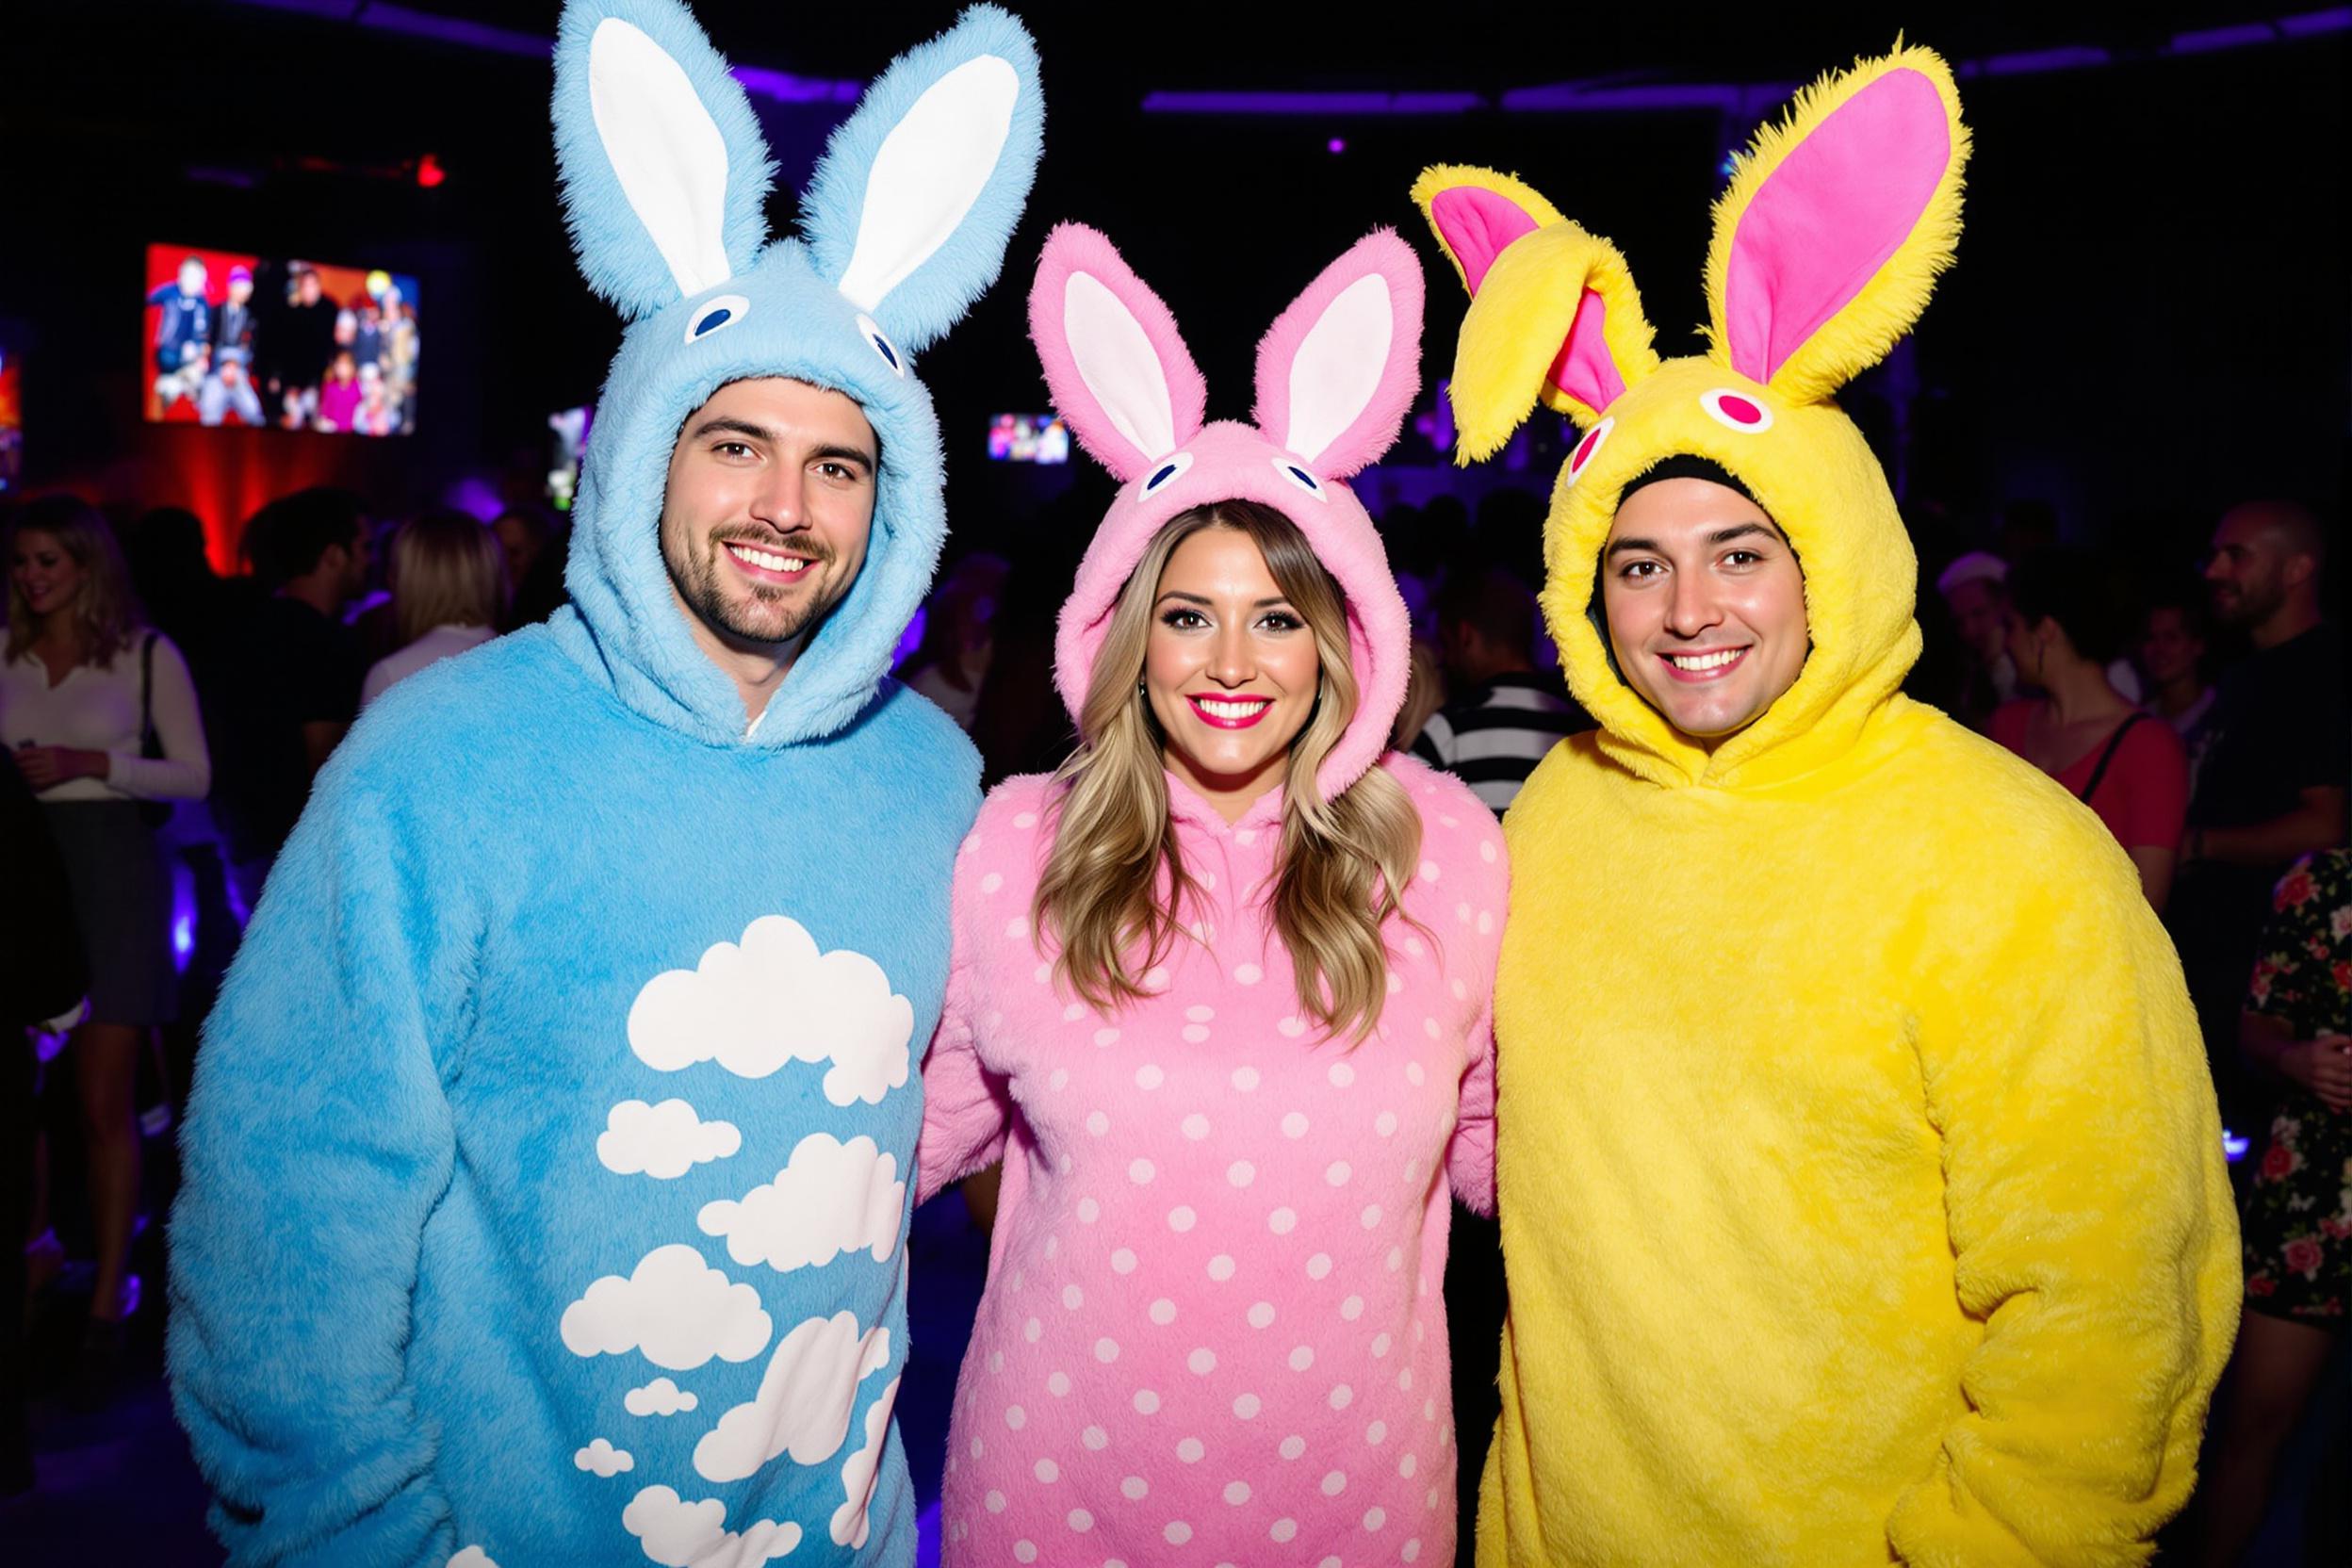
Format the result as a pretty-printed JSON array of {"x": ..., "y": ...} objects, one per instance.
[{"x": 757, "y": 620}]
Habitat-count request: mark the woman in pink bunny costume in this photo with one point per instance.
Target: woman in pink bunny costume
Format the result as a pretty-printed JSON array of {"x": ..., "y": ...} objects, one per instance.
[{"x": 1213, "y": 1331}]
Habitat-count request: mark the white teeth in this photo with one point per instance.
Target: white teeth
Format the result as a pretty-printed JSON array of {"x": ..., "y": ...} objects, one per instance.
[
  {"x": 768, "y": 559},
  {"x": 1703, "y": 660},
  {"x": 1230, "y": 710}
]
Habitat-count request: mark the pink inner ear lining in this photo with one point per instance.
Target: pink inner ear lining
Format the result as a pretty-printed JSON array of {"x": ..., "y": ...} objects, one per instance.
[
  {"x": 1477, "y": 223},
  {"x": 1827, "y": 219},
  {"x": 1584, "y": 369}
]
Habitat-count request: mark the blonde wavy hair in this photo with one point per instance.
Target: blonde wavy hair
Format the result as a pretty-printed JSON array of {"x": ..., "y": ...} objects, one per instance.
[
  {"x": 1114, "y": 886},
  {"x": 447, "y": 570},
  {"x": 105, "y": 613}
]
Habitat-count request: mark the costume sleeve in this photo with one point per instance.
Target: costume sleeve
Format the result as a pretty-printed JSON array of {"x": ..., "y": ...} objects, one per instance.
[
  {"x": 2091, "y": 1223},
  {"x": 965, "y": 1109},
  {"x": 183, "y": 772},
  {"x": 1470, "y": 1154},
  {"x": 318, "y": 1141},
  {"x": 2157, "y": 770}
]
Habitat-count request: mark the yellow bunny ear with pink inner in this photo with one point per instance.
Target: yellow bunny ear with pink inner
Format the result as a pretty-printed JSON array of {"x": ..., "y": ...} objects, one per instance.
[
  {"x": 1554, "y": 316},
  {"x": 1828, "y": 239}
]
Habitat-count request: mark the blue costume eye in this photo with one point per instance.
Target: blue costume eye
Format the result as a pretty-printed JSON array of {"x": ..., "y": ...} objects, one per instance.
[
  {"x": 880, "y": 341},
  {"x": 1165, "y": 474},
  {"x": 725, "y": 311},
  {"x": 1299, "y": 477}
]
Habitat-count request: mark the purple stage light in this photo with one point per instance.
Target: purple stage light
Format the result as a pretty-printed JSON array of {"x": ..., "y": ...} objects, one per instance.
[
  {"x": 2032, "y": 61},
  {"x": 785, "y": 87},
  {"x": 2336, "y": 19},
  {"x": 1311, "y": 103},
  {"x": 1337, "y": 144}
]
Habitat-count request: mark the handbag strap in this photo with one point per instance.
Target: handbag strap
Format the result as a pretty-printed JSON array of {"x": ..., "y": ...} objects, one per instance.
[
  {"x": 147, "y": 691},
  {"x": 2115, "y": 744}
]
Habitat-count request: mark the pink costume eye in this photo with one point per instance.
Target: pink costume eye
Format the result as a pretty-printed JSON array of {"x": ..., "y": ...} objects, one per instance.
[
  {"x": 1586, "y": 447},
  {"x": 1736, "y": 410}
]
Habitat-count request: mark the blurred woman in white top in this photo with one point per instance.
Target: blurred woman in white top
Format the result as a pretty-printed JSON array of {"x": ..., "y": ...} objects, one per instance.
[
  {"x": 449, "y": 589},
  {"x": 81, "y": 685}
]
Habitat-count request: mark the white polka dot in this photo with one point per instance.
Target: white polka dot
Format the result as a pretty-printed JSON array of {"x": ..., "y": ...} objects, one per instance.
[
  {"x": 1396, "y": 1259},
  {"x": 1194, "y": 1033},
  {"x": 1088, "y": 1210},
  {"x": 1282, "y": 1221},
  {"x": 1331, "y": 1562},
  {"x": 1027, "y": 819},
  {"x": 1134, "y": 1489},
  {"x": 1318, "y": 1265},
  {"x": 1431, "y": 1499},
  {"x": 1460, "y": 990},
  {"x": 1413, "y": 1550},
  {"x": 1248, "y": 974},
  {"x": 1221, "y": 1268},
  {"x": 1413, "y": 946},
  {"x": 1208, "y": 880},
  {"x": 1245, "y": 836},
  {"x": 1461, "y": 913},
  {"x": 1429, "y": 1410},
  {"x": 1163, "y": 1312},
  {"x": 1293, "y": 1027},
  {"x": 1155, "y": 978},
  {"x": 1016, "y": 929},
  {"x": 989, "y": 883},
  {"x": 1177, "y": 1533},
  {"x": 1341, "y": 1075},
  {"x": 1293, "y": 1446},
  {"x": 1301, "y": 1357},
  {"x": 1380, "y": 1344},
  {"x": 1248, "y": 1406},
  {"x": 1147, "y": 1402},
  {"x": 1262, "y": 1315},
  {"x": 1377, "y": 1433},
  {"x": 1016, "y": 1417},
  {"x": 1190, "y": 1450},
  {"x": 1194, "y": 1127},
  {"x": 1337, "y": 1172},
  {"x": 1396, "y": 982},
  {"x": 1148, "y": 1076},
  {"x": 1241, "y": 1173},
  {"x": 1202, "y": 1362},
  {"x": 1032, "y": 1329},
  {"x": 1106, "y": 1350},
  {"x": 1352, "y": 1308},
  {"x": 1407, "y": 1465},
  {"x": 1107, "y": 1037},
  {"x": 1073, "y": 1013},
  {"x": 1095, "y": 1438},
  {"x": 1295, "y": 1125},
  {"x": 1058, "y": 1385},
  {"x": 1415, "y": 1074},
  {"x": 1200, "y": 1015},
  {"x": 1047, "y": 1472},
  {"x": 1429, "y": 871},
  {"x": 1404, "y": 1379},
  {"x": 996, "y": 1360},
  {"x": 1385, "y": 1123},
  {"x": 1181, "y": 1219},
  {"x": 1081, "y": 1521},
  {"x": 1342, "y": 1397},
  {"x": 1375, "y": 1518},
  {"x": 1334, "y": 1482},
  {"x": 1237, "y": 1492},
  {"x": 995, "y": 1501},
  {"x": 1486, "y": 923},
  {"x": 1098, "y": 1124},
  {"x": 1140, "y": 1172},
  {"x": 977, "y": 1449},
  {"x": 1371, "y": 1218},
  {"x": 1284, "y": 1532},
  {"x": 1122, "y": 1262},
  {"x": 1245, "y": 1078}
]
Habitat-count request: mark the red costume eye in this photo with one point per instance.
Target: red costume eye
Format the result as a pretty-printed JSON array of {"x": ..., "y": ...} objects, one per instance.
[
  {"x": 1586, "y": 447},
  {"x": 1736, "y": 410}
]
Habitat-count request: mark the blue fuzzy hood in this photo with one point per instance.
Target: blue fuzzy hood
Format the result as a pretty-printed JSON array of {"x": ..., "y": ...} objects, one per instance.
[{"x": 905, "y": 224}]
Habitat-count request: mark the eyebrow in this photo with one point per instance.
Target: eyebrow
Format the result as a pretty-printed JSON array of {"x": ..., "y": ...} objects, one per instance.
[
  {"x": 1721, "y": 536},
  {"x": 723, "y": 424},
  {"x": 1198, "y": 598}
]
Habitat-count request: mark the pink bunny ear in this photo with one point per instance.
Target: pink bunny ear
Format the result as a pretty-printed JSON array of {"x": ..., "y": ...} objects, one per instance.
[
  {"x": 1117, "y": 369},
  {"x": 1828, "y": 239},
  {"x": 1338, "y": 370}
]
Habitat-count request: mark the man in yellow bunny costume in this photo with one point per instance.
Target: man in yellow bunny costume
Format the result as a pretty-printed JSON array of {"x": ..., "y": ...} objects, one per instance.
[{"x": 1862, "y": 1191}]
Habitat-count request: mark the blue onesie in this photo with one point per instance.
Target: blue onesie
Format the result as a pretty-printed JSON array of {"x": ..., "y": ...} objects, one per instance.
[{"x": 549, "y": 1165}]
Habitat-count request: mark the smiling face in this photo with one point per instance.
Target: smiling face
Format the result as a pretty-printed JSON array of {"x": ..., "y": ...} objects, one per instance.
[
  {"x": 1230, "y": 669},
  {"x": 768, "y": 510},
  {"x": 46, "y": 579},
  {"x": 1705, "y": 604}
]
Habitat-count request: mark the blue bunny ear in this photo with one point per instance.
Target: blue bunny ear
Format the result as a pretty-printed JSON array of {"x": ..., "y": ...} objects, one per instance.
[
  {"x": 664, "y": 171},
  {"x": 910, "y": 211}
]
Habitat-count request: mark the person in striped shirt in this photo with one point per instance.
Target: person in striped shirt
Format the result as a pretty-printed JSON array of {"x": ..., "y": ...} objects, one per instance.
[{"x": 1504, "y": 713}]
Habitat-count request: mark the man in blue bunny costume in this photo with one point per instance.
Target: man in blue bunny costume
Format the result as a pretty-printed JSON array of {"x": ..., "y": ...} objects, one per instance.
[{"x": 548, "y": 1162}]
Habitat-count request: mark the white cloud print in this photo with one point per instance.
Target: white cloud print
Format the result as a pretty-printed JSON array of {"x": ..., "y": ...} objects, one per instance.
[
  {"x": 658, "y": 1398},
  {"x": 830, "y": 1198},
  {"x": 675, "y": 1309},
  {"x": 664, "y": 1141},
  {"x": 774, "y": 998},
  {"x": 804, "y": 1401},
  {"x": 860, "y": 1471},
  {"x": 677, "y": 1533},
  {"x": 604, "y": 1459}
]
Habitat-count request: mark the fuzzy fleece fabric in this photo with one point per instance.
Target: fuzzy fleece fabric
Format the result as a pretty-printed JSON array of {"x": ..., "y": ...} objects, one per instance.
[
  {"x": 1213, "y": 1329},
  {"x": 547, "y": 1166},
  {"x": 1860, "y": 1181}
]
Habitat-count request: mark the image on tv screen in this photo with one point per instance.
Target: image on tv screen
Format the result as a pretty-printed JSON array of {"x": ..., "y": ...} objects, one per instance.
[
  {"x": 240, "y": 339},
  {"x": 11, "y": 417},
  {"x": 1028, "y": 438}
]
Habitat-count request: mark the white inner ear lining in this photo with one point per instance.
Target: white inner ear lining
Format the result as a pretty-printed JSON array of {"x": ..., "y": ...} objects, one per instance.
[
  {"x": 929, "y": 170},
  {"x": 1121, "y": 369},
  {"x": 1337, "y": 368},
  {"x": 667, "y": 154}
]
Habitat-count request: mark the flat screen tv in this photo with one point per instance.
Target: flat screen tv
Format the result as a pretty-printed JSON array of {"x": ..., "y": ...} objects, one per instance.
[
  {"x": 12, "y": 416},
  {"x": 234, "y": 338}
]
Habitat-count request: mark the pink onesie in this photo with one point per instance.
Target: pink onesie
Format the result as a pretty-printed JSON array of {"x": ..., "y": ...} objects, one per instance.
[{"x": 1213, "y": 1331}]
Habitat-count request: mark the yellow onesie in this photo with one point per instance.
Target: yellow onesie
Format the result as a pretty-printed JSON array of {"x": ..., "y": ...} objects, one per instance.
[{"x": 1862, "y": 1191}]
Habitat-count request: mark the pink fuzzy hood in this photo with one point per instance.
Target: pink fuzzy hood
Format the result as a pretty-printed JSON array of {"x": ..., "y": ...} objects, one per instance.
[{"x": 1336, "y": 373}]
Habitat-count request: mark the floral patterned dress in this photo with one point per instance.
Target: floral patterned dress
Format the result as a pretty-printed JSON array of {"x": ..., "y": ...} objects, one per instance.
[{"x": 2298, "y": 1213}]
